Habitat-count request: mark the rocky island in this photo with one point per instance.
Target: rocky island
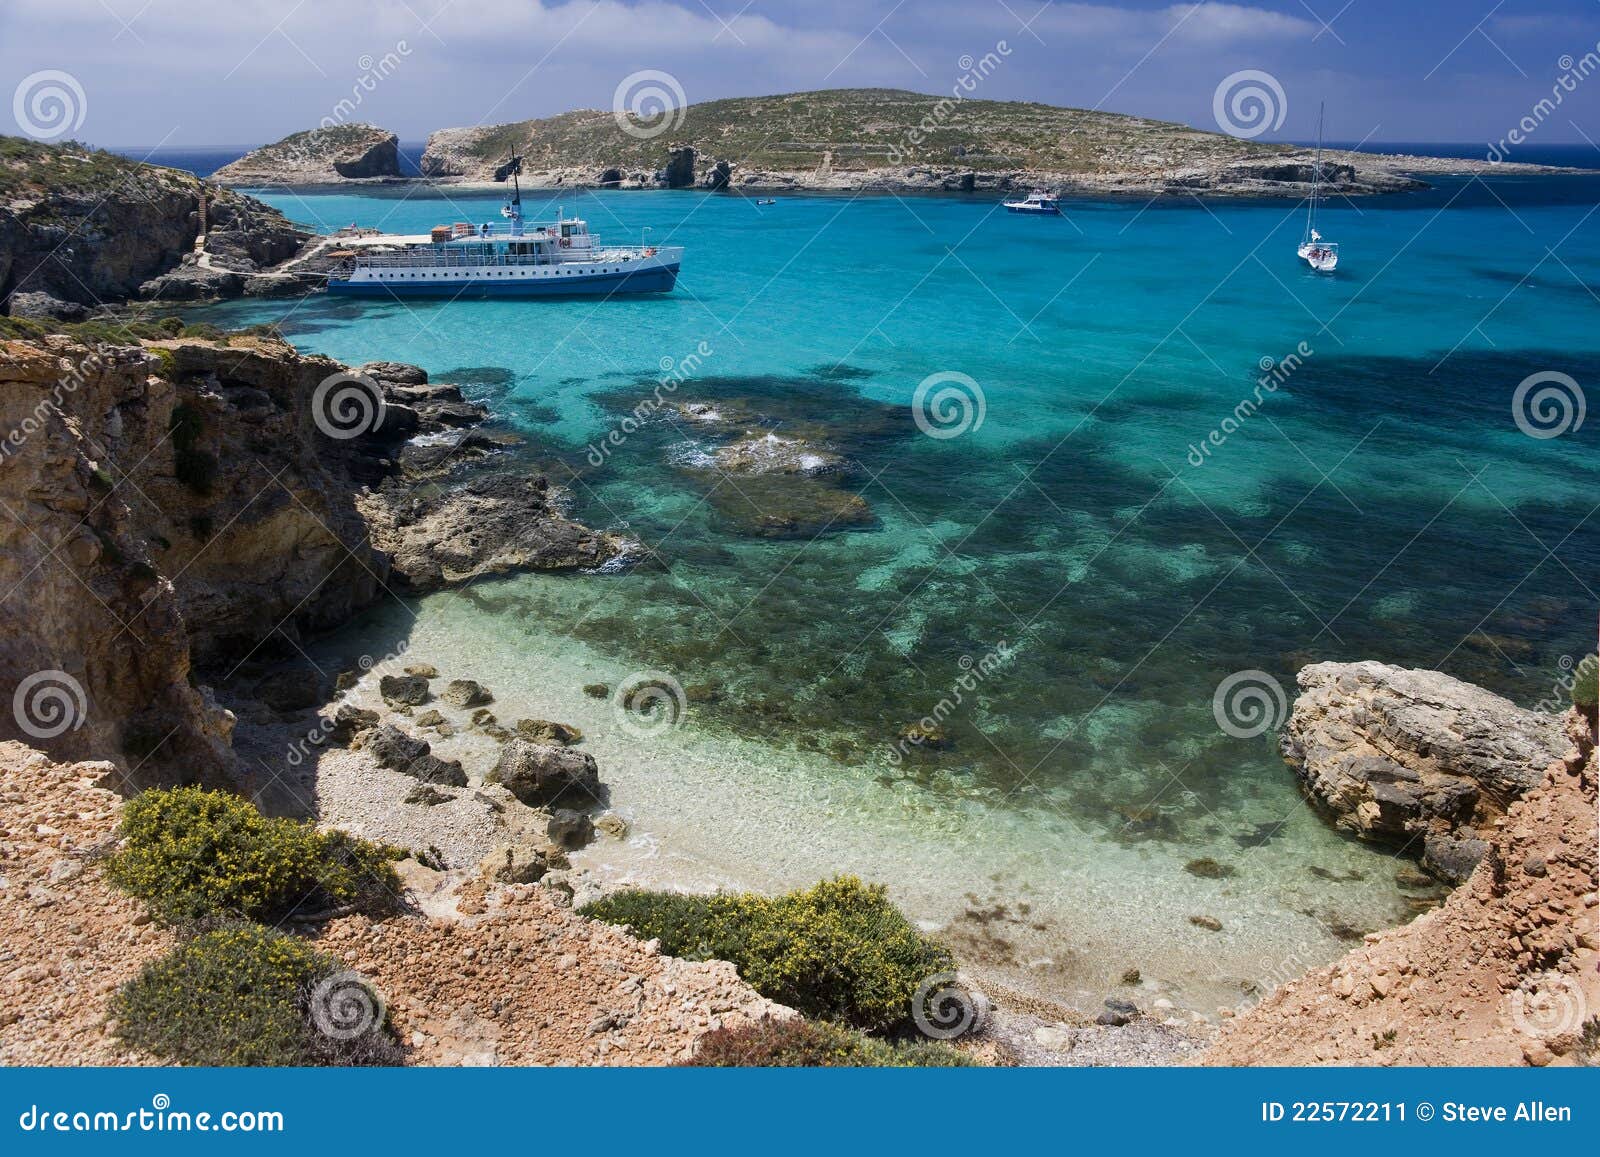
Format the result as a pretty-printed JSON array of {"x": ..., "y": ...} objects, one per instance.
[
  {"x": 893, "y": 140},
  {"x": 850, "y": 140},
  {"x": 321, "y": 156}
]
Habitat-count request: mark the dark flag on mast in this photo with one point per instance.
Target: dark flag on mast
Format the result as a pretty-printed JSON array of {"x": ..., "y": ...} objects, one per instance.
[{"x": 512, "y": 167}]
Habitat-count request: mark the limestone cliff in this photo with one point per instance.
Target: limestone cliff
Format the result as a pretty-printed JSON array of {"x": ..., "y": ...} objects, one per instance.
[
  {"x": 80, "y": 228},
  {"x": 1504, "y": 973},
  {"x": 189, "y": 504},
  {"x": 1415, "y": 759},
  {"x": 163, "y": 504},
  {"x": 323, "y": 156}
]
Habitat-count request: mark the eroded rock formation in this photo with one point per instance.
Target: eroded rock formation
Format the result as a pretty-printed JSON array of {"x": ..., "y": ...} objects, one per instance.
[
  {"x": 1416, "y": 759},
  {"x": 1504, "y": 973},
  {"x": 190, "y": 505}
]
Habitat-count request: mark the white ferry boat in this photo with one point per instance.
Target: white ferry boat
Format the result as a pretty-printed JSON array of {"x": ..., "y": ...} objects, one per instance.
[{"x": 506, "y": 259}]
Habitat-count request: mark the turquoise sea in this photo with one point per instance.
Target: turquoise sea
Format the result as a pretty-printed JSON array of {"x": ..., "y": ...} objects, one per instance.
[{"x": 1074, "y": 578}]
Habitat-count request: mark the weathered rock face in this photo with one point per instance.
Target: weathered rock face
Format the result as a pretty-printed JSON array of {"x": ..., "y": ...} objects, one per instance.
[
  {"x": 323, "y": 156},
  {"x": 680, "y": 167},
  {"x": 188, "y": 506},
  {"x": 539, "y": 775},
  {"x": 73, "y": 240},
  {"x": 168, "y": 504},
  {"x": 1415, "y": 758},
  {"x": 1505, "y": 973}
]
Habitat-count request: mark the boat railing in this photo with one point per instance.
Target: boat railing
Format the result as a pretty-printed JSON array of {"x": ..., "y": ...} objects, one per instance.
[{"x": 443, "y": 258}]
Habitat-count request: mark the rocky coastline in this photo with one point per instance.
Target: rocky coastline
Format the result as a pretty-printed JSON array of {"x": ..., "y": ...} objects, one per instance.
[
  {"x": 187, "y": 514},
  {"x": 82, "y": 231}
]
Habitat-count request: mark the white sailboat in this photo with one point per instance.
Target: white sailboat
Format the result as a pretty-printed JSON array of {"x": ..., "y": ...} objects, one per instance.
[{"x": 1323, "y": 256}]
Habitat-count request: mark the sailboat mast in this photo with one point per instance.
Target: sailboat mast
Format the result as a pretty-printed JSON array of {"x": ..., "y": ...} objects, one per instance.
[{"x": 1316, "y": 176}]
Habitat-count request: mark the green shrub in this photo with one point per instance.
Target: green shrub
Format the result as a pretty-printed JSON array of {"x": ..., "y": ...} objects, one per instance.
[
  {"x": 801, "y": 1043},
  {"x": 839, "y": 951},
  {"x": 1586, "y": 685},
  {"x": 246, "y": 995},
  {"x": 192, "y": 854}
]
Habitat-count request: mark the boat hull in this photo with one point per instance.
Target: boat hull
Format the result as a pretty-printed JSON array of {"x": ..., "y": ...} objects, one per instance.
[
  {"x": 655, "y": 279},
  {"x": 1032, "y": 212}
]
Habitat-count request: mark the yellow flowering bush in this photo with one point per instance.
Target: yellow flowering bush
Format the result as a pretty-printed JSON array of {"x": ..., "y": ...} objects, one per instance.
[
  {"x": 192, "y": 854},
  {"x": 245, "y": 995},
  {"x": 801, "y": 1043},
  {"x": 838, "y": 951}
]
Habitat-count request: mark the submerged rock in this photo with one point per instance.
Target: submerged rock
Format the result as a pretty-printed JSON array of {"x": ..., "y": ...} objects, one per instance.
[
  {"x": 778, "y": 506},
  {"x": 1415, "y": 759},
  {"x": 466, "y": 693},
  {"x": 543, "y": 731},
  {"x": 1208, "y": 869},
  {"x": 410, "y": 690}
]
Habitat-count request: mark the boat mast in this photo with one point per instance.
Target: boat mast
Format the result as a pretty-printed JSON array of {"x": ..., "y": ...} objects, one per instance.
[{"x": 1316, "y": 177}]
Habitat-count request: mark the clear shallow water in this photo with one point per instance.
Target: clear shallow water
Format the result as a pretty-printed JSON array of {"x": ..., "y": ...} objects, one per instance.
[{"x": 1382, "y": 503}]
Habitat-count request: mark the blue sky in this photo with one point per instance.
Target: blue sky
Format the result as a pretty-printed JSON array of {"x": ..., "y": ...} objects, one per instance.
[{"x": 245, "y": 71}]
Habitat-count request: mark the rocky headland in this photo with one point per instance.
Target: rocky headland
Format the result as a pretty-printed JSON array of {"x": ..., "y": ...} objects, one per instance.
[
  {"x": 321, "y": 156},
  {"x": 82, "y": 229},
  {"x": 181, "y": 506}
]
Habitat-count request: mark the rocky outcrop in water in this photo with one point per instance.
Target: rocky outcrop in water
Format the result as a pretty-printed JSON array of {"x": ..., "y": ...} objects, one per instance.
[
  {"x": 80, "y": 228},
  {"x": 1416, "y": 759},
  {"x": 1504, "y": 973},
  {"x": 333, "y": 155}
]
